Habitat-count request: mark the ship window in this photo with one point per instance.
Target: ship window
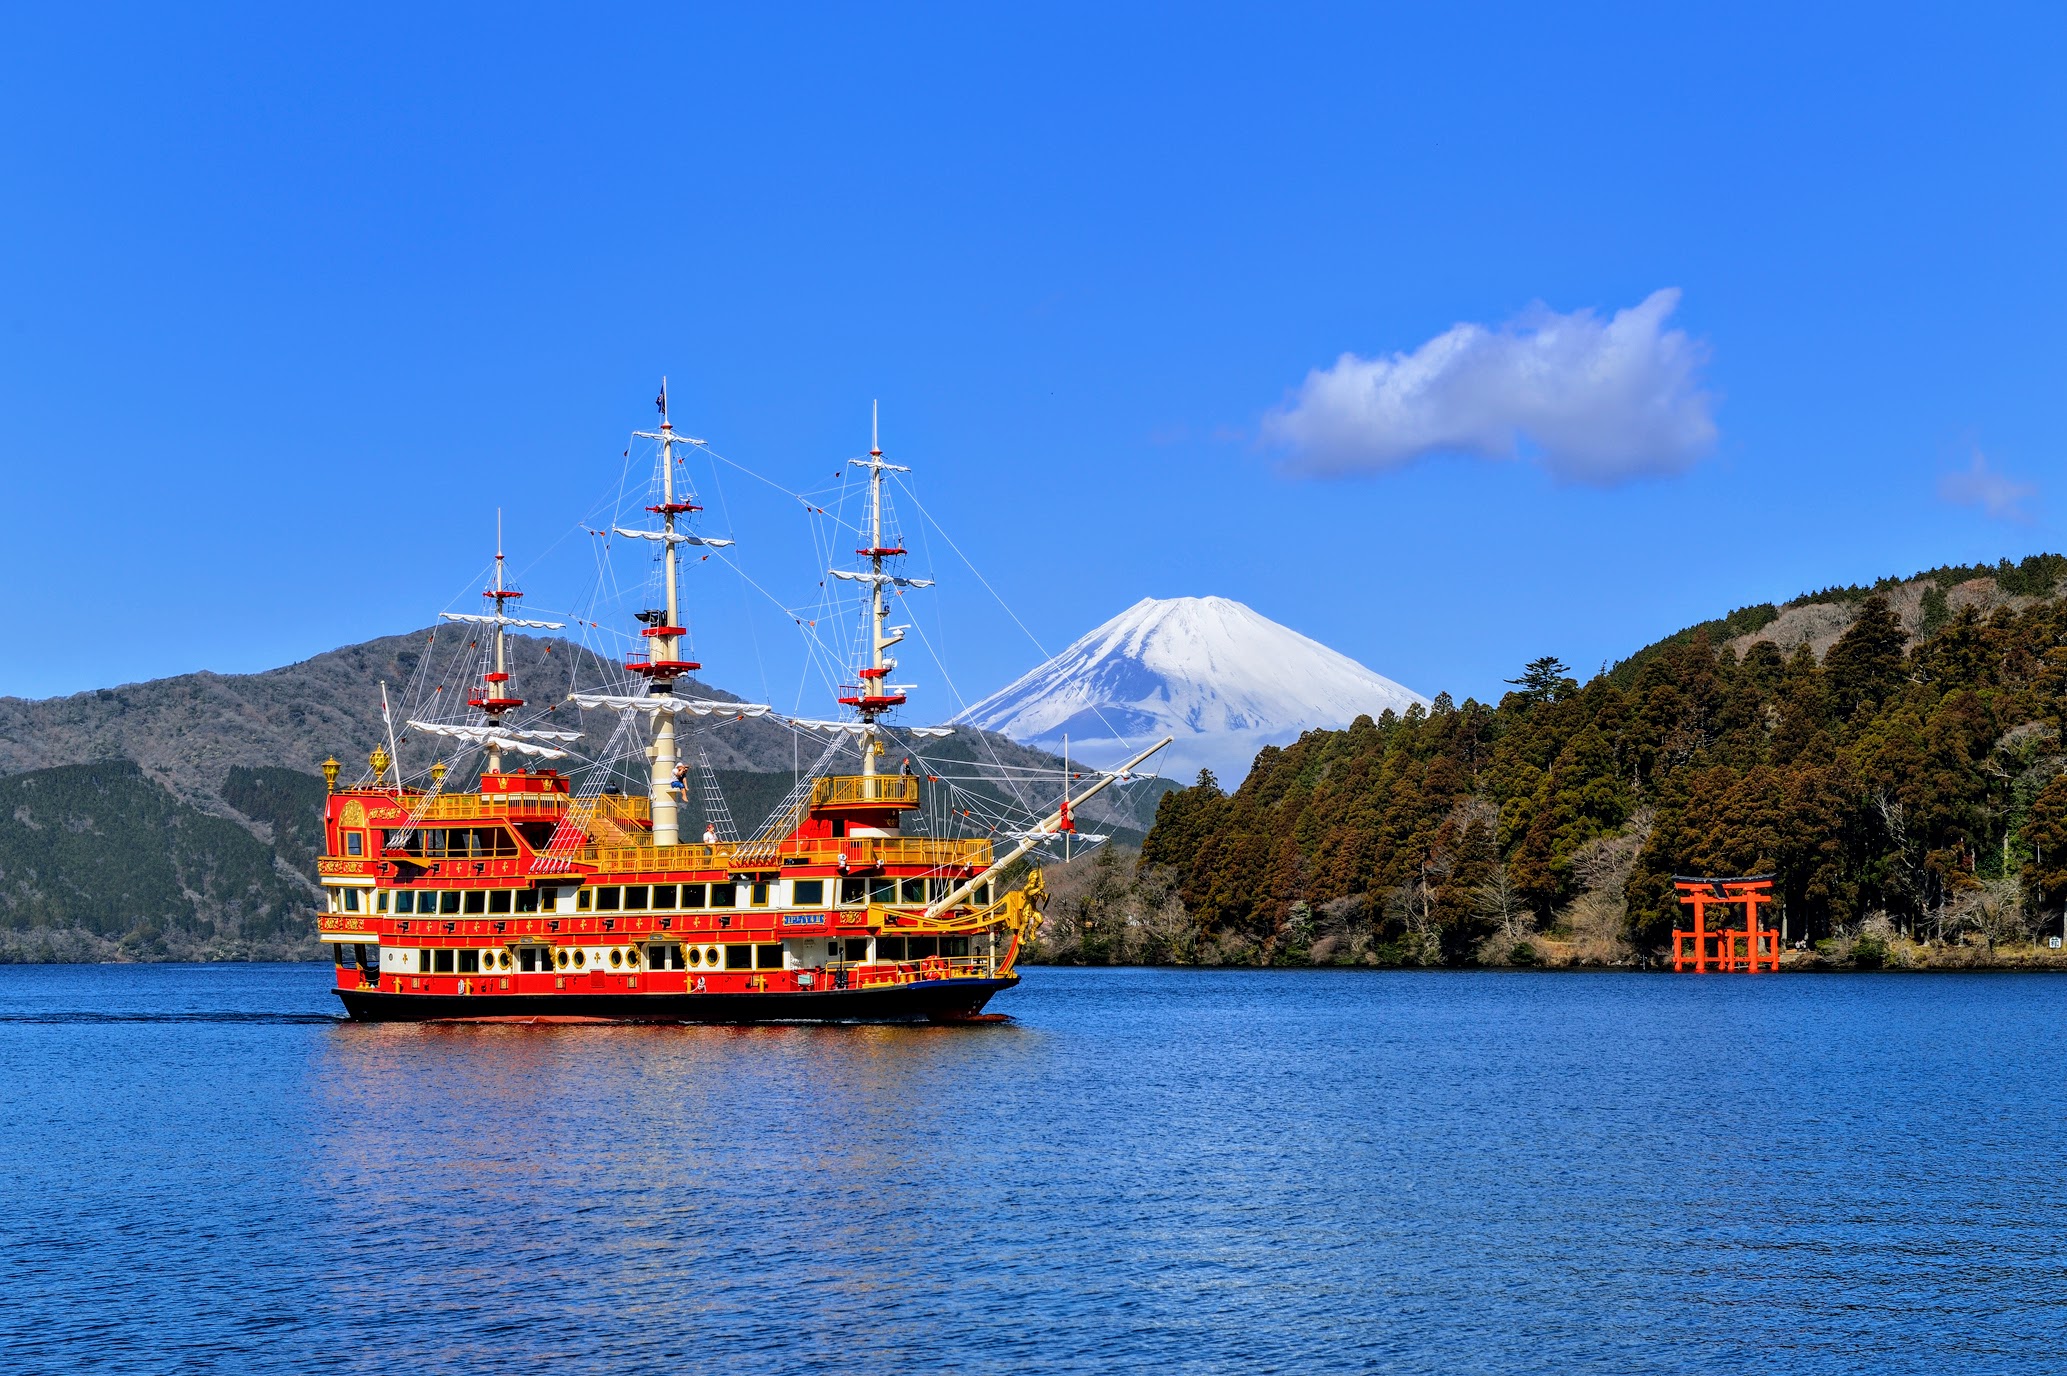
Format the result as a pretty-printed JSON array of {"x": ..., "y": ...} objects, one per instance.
[
  {"x": 448, "y": 902},
  {"x": 631, "y": 957},
  {"x": 355, "y": 843},
  {"x": 768, "y": 957},
  {"x": 937, "y": 889},
  {"x": 477, "y": 900},
  {"x": 760, "y": 895},
  {"x": 441, "y": 961},
  {"x": 608, "y": 900},
  {"x": 854, "y": 890},
  {"x": 889, "y": 948},
  {"x": 921, "y": 947},
  {"x": 882, "y": 890},
  {"x": 980, "y": 895},
  {"x": 663, "y": 896},
  {"x": 724, "y": 895},
  {"x": 635, "y": 898},
  {"x": 369, "y": 956},
  {"x": 405, "y": 901},
  {"x": 914, "y": 890},
  {"x": 696, "y": 957},
  {"x": 857, "y": 948},
  {"x": 581, "y": 958},
  {"x": 351, "y": 900},
  {"x": 739, "y": 957},
  {"x": 527, "y": 959},
  {"x": 584, "y": 900},
  {"x": 342, "y": 955},
  {"x": 499, "y": 901},
  {"x": 527, "y": 900},
  {"x": 380, "y": 901},
  {"x": 470, "y": 962},
  {"x": 562, "y": 959},
  {"x": 954, "y": 946},
  {"x": 807, "y": 893},
  {"x": 665, "y": 957},
  {"x": 692, "y": 895},
  {"x": 616, "y": 959}
]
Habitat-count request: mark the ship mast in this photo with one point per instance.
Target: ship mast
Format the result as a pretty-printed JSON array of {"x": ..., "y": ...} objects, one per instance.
[
  {"x": 495, "y": 699},
  {"x": 663, "y": 662},
  {"x": 874, "y": 696}
]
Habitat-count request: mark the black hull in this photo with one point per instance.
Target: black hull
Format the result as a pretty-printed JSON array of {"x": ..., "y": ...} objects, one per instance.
[{"x": 930, "y": 1001}]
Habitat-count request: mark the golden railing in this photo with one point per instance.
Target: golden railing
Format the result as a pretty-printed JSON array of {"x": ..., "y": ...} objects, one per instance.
[
  {"x": 472, "y": 807},
  {"x": 891, "y": 790},
  {"x": 862, "y": 852}
]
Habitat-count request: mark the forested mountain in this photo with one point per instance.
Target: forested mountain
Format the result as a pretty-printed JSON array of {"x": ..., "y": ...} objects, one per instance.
[{"x": 1891, "y": 753}]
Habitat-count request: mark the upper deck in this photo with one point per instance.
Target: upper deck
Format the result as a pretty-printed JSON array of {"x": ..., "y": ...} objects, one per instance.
[{"x": 503, "y": 833}]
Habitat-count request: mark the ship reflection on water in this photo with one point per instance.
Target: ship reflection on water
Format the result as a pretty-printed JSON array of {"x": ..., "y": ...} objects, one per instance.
[{"x": 670, "y": 1177}]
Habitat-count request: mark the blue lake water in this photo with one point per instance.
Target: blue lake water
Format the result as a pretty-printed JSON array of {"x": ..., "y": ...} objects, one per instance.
[{"x": 1181, "y": 1170}]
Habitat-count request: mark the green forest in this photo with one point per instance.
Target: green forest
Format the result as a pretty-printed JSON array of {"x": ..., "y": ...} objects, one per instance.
[{"x": 1906, "y": 793}]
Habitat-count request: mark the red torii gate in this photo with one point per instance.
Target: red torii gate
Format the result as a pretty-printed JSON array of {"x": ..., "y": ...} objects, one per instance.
[{"x": 1749, "y": 948}]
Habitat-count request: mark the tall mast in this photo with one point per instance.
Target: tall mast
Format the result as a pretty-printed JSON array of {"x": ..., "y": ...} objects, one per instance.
[
  {"x": 875, "y": 696},
  {"x": 496, "y": 700},
  {"x": 663, "y": 662}
]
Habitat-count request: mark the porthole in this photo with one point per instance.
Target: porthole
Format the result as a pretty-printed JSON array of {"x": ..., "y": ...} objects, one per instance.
[
  {"x": 488, "y": 959},
  {"x": 616, "y": 959},
  {"x": 631, "y": 957},
  {"x": 695, "y": 958},
  {"x": 580, "y": 959},
  {"x": 561, "y": 960},
  {"x": 503, "y": 960},
  {"x": 710, "y": 956}
]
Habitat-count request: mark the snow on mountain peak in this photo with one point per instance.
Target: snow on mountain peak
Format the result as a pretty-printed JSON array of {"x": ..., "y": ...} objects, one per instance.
[{"x": 1220, "y": 677}]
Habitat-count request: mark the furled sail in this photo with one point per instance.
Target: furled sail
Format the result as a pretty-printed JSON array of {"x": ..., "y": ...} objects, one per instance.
[
  {"x": 485, "y": 733},
  {"x": 673, "y": 706},
  {"x": 880, "y": 578},
  {"x": 480, "y": 620},
  {"x": 672, "y": 537},
  {"x": 862, "y": 728}
]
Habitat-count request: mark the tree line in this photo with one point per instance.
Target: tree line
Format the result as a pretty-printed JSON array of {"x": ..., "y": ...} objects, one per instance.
[{"x": 1919, "y": 788}]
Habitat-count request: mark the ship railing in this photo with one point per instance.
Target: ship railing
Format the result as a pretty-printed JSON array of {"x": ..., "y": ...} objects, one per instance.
[
  {"x": 846, "y": 789},
  {"x": 862, "y": 852},
  {"x": 467, "y": 807}
]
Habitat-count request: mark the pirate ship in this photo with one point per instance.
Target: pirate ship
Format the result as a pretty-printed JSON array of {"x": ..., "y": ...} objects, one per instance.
[{"x": 512, "y": 880}]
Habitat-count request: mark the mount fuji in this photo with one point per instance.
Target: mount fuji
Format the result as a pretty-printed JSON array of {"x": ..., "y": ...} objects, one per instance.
[{"x": 1221, "y": 678}]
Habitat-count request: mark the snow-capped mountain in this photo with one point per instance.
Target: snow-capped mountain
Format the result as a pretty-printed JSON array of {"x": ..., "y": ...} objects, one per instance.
[{"x": 1222, "y": 679}]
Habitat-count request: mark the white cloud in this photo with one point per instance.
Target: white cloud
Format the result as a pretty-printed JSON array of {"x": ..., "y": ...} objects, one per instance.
[
  {"x": 1998, "y": 494},
  {"x": 1593, "y": 401}
]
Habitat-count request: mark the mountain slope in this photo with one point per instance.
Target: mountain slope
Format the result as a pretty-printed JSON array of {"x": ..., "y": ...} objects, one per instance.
[{"x": 1220, "y": 677}]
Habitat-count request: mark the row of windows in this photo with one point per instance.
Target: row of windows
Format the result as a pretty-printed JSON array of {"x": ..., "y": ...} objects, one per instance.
[
  {"x": 466, "y": 960},
  {"x": 611, "y": 898},
  {"x": 804, "y": 893}
]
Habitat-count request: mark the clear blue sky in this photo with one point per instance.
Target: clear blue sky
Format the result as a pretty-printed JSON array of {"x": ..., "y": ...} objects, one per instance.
[{"x": 294, "y": 300}]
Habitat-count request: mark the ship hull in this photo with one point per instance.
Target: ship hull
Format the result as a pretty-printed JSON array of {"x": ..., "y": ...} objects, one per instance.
[{"x": 922, "y": 1001}]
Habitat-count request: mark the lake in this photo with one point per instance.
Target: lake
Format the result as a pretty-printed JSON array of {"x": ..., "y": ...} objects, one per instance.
[{"x": 1190, "y": 1171}]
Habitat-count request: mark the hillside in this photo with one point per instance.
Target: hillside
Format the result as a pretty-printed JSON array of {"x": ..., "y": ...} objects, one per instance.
[
  {"x": 1892, "y": 753},
  {"x": 177, "y": 818}
]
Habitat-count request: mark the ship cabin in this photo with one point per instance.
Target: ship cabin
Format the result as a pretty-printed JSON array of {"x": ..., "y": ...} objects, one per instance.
[{"x": 517, "y": 887}]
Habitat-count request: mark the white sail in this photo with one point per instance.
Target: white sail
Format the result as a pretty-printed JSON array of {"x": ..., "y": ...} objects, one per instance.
[
  {"x": 862, "y": 728},
  {"x": 672, "y": 537},
  {"x": 670, "y": 705},
  {"x": 880, "y": 578},
  {"x": 479, "y": 620},
  {"x": 485, "y": 733}
]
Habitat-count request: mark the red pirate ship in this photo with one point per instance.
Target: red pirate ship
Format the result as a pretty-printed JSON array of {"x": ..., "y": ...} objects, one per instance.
[{"x": 536, "y": 890}]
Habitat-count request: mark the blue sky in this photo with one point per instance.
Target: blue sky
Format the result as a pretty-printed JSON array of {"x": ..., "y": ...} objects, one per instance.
[{"x": 294, "y": 301}]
